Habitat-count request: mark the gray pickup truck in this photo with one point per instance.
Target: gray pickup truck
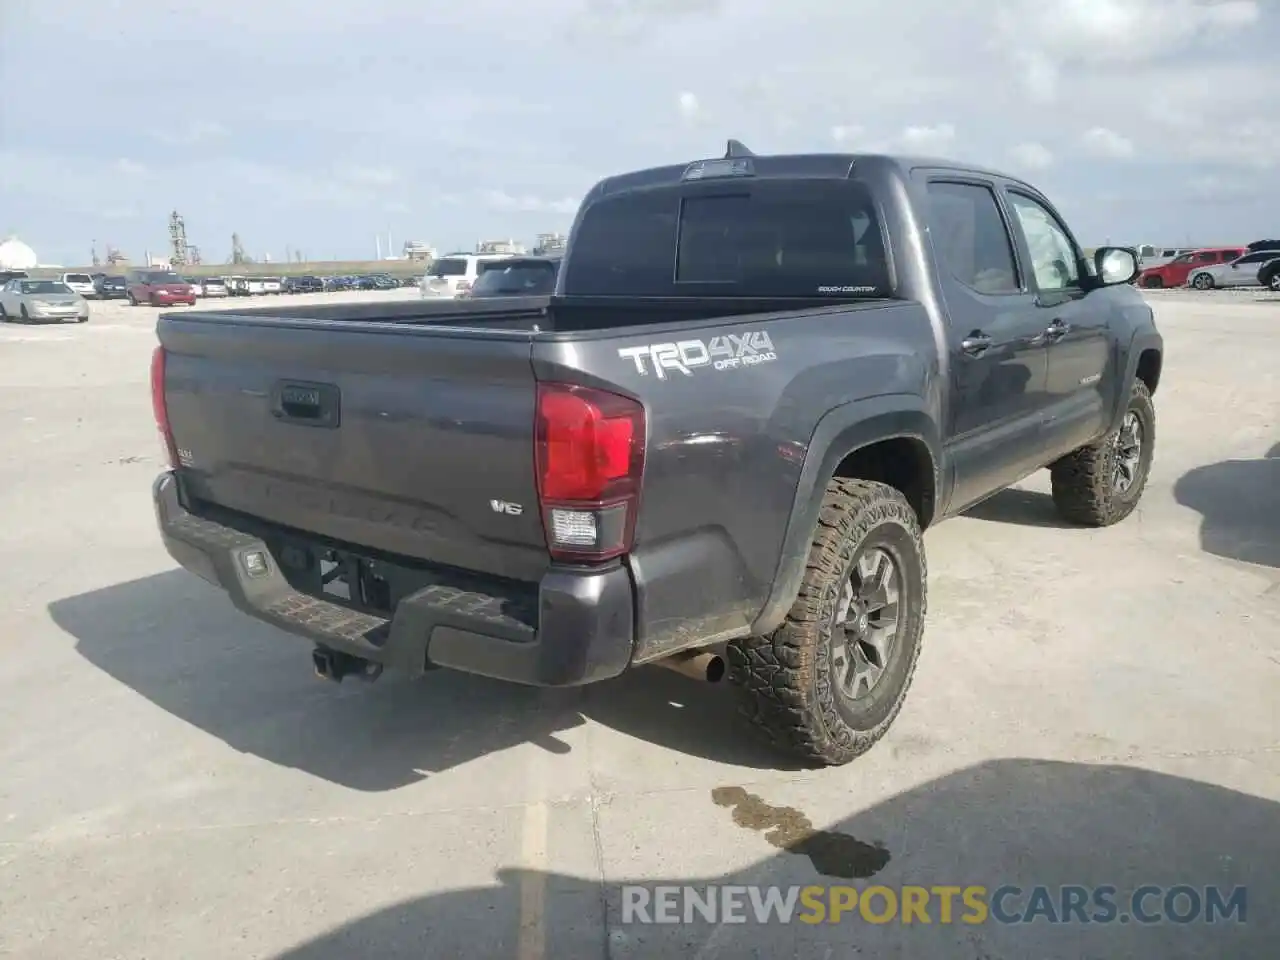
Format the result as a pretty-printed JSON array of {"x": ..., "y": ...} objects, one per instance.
[{"x": 759, "y": 378}]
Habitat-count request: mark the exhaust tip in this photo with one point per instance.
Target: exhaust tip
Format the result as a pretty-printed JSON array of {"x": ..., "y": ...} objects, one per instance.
[
  {"x": 707, "y": 667},
  {"x": 715, "y": 669}
]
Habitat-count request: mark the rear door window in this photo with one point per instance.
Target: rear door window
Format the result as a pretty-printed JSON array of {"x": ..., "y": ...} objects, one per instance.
[
  {"x": 970, "y": 237},
  {"x": 782, "y": 238}
]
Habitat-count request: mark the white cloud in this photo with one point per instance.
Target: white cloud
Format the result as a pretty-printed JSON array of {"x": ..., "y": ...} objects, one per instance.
[
  {"x": 1032, "y": 156},
  {"x": 924, "y": 139},
  {"x": 688, "y": 105},
  {"x": 1102, "y": 142},
  {"x": 1071, "y": 37},
  {"x": 370, "y": 176},
  {"x": 845, "y": 135},
  {"x": 1120, "y": 31},
  {"x": 501, "y": 200},
  {"x": 189, "y": 134}
]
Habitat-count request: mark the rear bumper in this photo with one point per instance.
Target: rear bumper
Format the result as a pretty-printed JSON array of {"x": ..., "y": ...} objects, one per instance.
[{"x": 581, "y": 631}]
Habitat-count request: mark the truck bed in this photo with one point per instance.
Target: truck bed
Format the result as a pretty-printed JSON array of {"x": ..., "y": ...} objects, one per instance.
[{"x": 535, "y": 314}]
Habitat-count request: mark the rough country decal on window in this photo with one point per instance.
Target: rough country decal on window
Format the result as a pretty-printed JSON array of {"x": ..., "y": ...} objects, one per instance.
[
  {"x": 728, "y": 352},
  {"x": 847, "y": 290}
]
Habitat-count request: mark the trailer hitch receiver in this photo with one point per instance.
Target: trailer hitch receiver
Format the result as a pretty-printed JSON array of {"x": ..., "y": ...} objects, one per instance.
[{"x": 335, "y": 665}]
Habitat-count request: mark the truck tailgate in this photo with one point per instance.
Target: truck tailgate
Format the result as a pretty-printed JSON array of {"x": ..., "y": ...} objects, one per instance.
[{"x": 406, "y": 441}]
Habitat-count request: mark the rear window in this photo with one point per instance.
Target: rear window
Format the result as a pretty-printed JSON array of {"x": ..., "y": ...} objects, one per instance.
[
  {"x": 78, "y": 278},
  {"x": 44, "y": 286},
  {"x": 782, "y": 238},
  {"x": 449, "y": 268},
  {"x": 517, "y": 279}
]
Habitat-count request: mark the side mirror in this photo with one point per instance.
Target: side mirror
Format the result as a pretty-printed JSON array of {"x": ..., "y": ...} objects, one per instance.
[{"x": 1115, "y": 265}]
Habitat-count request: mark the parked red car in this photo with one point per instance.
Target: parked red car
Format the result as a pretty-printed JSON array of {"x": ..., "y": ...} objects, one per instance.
[
  {"x": 1175, "y": 272},
  {"x": 159, "y": 288}
]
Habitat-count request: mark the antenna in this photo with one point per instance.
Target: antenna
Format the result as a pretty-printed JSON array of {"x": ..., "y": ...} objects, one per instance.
[{"x": 736, "y": 148}]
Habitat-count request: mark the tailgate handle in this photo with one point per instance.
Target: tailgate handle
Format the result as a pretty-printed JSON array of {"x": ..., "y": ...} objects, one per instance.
[{"x": 307, "y": 404}]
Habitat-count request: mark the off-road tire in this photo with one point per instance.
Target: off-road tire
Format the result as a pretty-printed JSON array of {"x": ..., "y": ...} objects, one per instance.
[
  {"x": 785, "y": 678},
  {"x": 1083, "y": 490}
]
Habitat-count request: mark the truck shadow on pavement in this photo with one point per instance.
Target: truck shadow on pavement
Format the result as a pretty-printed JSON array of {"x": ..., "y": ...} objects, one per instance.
[
  {"x": 1025, "y": 823},
  {"x": 1239, "y": 506},
  {"x": 1024, "y": 508},
  {"x": 182, "y": 645}
]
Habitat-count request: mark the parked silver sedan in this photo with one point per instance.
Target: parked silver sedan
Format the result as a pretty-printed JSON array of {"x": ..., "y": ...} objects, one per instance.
[{"x": 41, "y": 300}]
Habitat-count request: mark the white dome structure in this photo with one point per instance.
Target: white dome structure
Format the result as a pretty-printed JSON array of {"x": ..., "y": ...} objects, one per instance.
[{"x": 16, "y": 255}]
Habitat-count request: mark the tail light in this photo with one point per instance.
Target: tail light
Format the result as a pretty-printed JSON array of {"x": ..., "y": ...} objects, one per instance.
[
  {"x": 160, "y": 408},
  {"x": 589, "y": 448}
]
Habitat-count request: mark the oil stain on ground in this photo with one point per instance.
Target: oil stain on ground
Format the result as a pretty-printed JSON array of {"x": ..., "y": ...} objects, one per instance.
[{"x": 832, "y": 854}]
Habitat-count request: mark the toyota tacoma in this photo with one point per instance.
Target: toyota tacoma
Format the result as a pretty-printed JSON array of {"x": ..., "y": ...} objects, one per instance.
[{"x": 758, "y": 379}]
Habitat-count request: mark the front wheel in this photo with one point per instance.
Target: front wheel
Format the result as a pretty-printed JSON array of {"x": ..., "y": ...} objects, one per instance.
[
  {"x": 1101, "y": 484},
  {"x": 1271, "y": 280},
  {"x": 827, "y": 684},
  {"x": 1202, "y": 281}
]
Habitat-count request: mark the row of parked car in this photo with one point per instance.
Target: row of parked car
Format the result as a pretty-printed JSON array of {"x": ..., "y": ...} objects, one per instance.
[
  {"x": 166, "y": 287},
  {"x": 1211, "y": 268}
]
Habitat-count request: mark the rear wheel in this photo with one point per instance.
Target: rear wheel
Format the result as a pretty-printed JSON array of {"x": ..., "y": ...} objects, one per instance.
[
  {"x": 1100, "y": 484},
  {"x": 1153, "y": 283},
  {"x": 1202, "y": 281},
  {"x": 1270, "y": 278},
  {"x": 827, "y": 684}
]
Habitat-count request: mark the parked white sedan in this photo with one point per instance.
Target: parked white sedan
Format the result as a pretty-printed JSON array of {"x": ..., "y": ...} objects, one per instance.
[
  {"x": 1240, "y": 272},
  {"x": 28, "y": 300}
]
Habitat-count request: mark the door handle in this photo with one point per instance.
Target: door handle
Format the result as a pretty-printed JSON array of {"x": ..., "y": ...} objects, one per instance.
[
  {"x": 976, "y": 343},
  {"x": 1057, "y": 330}
]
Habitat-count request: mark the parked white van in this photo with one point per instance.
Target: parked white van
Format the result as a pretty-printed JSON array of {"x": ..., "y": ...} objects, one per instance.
[{"x": 80, "y": 283}]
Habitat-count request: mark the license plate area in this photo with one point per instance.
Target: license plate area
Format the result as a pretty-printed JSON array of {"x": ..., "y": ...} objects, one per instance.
[{"x": 350, "y": 579}]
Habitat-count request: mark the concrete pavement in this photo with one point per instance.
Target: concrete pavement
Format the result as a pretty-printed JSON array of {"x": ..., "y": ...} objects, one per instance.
[{"x": 1091, "y": 708}]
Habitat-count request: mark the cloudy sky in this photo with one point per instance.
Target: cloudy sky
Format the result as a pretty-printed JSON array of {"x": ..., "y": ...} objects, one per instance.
[{"x": 317, "y": 124}]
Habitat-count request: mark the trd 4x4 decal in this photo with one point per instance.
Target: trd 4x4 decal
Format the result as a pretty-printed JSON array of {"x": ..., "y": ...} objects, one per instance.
[{"x": 728, "y": 352}]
